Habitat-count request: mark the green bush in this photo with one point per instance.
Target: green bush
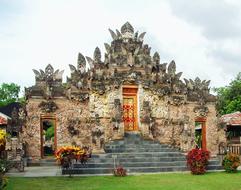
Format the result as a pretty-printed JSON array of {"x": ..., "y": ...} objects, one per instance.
[
  {"x": 49, "y": 133},
  {"x": 4, "y": 166},
  {"x": 231, "y": 162}
]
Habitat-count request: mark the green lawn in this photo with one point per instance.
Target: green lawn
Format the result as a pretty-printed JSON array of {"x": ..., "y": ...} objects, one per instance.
[{"x": 174, "y": 181}]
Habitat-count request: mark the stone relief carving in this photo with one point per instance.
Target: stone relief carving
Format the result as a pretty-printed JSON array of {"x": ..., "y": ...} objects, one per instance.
[
  {"x": 15, "y": 125},
  {"x": 32, "y": 123},
  {"x": 201, "y": 111},
  {"x": 176, "y": 100},
  {"x": 72, "y": 125},
  {"x": 148, "y": 122},
  {"x": 117, "y": 114},
  {"x": 48, "y": 106},
  {"x": 97, "y": 134}
]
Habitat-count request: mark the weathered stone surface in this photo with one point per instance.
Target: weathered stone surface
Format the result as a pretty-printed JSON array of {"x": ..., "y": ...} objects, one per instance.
[{"x": 88, "y": 109}]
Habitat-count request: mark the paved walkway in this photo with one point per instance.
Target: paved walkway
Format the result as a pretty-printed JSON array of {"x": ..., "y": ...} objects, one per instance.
[{"x": 37, "y": 171}]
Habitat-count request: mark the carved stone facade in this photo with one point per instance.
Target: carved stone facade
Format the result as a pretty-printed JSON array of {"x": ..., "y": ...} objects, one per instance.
[{"x": 89, "y": 111}]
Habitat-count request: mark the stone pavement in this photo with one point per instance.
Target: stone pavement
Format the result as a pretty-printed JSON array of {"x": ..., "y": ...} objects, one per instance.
[{"x": 37, "y": 171}]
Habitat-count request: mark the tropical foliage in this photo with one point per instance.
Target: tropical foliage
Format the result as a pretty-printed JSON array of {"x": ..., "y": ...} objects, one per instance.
[
  {"x": 2, "y": 139},
  {"x": 231, "y": 162},
  {"x": 4, "y": 166},
  {"x": 49, "y": 133},
  {"x": 9, "y": 93},
  {"x": 197, "y": 160},
  {"x": 66, "y": 154},
  {"x": 229, "y": 97}
]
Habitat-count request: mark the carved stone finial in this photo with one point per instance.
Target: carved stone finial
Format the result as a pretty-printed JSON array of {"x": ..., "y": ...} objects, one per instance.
[
  {"x": 156, "y": 58},
  {"x": 49, "y": 71},
  {"x": 127, "y": 28},
  {"x": 81, "y": 62},
  {"x": 97, "y": 55},
  {"x": 172, "y": 68}
]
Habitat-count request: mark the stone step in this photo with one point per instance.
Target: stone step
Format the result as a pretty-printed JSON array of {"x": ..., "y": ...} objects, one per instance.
[
  {"x": 132, "y": 142},
  {"x": 137, "y": 159},
  {"x": 134, "y": 163},
  {"x": 109, "y": 170},
  {"x": 119, "y": 150},
  {"x": 136, "y": 156},
  {"x": 137, "y": 146},
  {"x": 129, "y": 170},
  {"x": 42, "y": 162},
  {"x": 130, "y": 164},
  {"x": 139, "y": 155},
  {"x": 214, "y": 167}
]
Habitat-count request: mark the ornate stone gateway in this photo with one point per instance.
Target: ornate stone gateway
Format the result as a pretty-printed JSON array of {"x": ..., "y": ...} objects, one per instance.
[
  {"x": 130, "y": 108},
  {"x": 127, "y": 89},
  {"x": 200, "y": 133},
  {"x": 48, "y": 135}
]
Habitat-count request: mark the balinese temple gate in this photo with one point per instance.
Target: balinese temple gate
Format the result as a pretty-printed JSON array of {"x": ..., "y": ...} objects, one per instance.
[{"x": 125, "y": 90}]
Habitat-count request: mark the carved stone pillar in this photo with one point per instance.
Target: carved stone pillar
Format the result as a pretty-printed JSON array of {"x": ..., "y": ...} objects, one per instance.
[
  {"x": 117, "y": 121},
  {"x": 98, "y": 137}
]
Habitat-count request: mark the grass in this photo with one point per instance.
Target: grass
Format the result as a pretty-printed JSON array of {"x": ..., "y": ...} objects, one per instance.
[{"x": 171, "y": 181}]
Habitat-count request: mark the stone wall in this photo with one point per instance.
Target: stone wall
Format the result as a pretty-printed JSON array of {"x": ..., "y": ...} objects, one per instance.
[
  {"x": 70, "y": 116},
  {"x": 76, "y": 121},
  {"x": 175, "y": 124}
]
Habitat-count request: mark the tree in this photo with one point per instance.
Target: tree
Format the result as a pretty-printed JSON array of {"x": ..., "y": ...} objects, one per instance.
[
  {"x": 229, "y": 97},
  {"x": 9, "y": 93}
]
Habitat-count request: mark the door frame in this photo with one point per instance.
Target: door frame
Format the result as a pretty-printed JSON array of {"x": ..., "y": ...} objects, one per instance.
[
  {"x": 42, "y": 118},
  {"x": 130, "y": 91},
  {"x": 202, "y": 120}
]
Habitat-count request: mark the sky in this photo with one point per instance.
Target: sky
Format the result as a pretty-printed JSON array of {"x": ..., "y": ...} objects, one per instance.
[{"x": 203, "y": 37}]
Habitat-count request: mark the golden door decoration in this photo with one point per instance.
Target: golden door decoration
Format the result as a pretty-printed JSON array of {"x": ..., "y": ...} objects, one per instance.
[{"x": 129, "y": 113}]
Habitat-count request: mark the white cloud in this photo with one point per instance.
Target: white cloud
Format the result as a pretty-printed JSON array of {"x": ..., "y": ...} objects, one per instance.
[{"x": 55, "y": 31}]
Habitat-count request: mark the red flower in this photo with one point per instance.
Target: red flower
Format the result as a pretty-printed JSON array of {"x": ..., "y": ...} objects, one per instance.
[{"x": 197, "y": 160}]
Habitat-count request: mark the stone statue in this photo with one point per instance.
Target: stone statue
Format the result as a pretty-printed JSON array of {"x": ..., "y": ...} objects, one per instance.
[
  {"x": 97, "y": 135},
  {"x": 147, "y": 120}
]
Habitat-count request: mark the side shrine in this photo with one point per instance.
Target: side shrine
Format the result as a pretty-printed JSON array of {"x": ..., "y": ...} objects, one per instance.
[{"x": 127, "y": 90}]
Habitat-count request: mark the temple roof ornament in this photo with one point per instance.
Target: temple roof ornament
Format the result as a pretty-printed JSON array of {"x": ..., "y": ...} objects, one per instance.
[
  {"x": 127, "y": 60},
  {"x": 97, "y": 55},
  {"x": 81, "y": 63},
  {"x": 49, "y": 74},
  {"x": 127, "y": 28}
]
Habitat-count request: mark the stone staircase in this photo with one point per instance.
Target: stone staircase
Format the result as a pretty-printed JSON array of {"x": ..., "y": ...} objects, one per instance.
[
  {"x": 136, "y": 156},
  {"x": 50, "y": 161}
]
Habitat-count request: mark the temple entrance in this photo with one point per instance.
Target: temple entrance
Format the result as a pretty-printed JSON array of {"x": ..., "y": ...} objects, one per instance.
[
  {"x": 130, "y": 108},
  {"x": 48, "y": 136},
  {"x": 200, "y": 134}
]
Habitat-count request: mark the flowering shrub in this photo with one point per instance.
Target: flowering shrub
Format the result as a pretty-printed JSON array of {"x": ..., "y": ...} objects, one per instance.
[
  {"x": 231, "y": 162},
  {"x": 2, "y": 140},
  {"x": 4, "y": 166},
  {"x": 66, "y": 154},
  {"x": 197, "y": 160},
  {"x": 120, "y": 172}
]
